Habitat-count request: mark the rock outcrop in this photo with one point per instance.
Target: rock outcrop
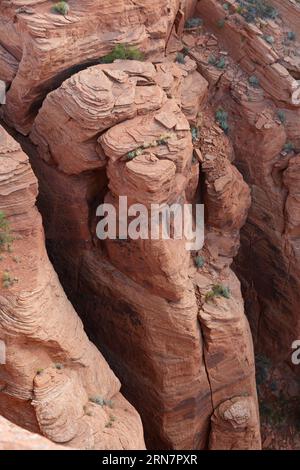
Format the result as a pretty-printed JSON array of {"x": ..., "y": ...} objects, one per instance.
[
  {"x": 50, "y": 47},
  {"x": 143, "y": 301},
  {"x": 257, "y": 88},
  {"x": 53, "y": 379},
  {"x": 15, "y": 438},
  {"x": 214, "y": 100}
]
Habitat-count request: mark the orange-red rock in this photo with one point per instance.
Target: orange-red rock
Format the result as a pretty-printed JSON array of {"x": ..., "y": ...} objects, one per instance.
[{"x": 52, "y": 372}]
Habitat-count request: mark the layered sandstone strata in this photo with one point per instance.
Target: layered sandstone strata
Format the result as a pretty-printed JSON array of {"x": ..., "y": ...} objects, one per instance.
[
  {"x": 53, "y": 380},
  {"x": 264, "y": 127},
  {"x": 46, "y": 47},
  {"x": 15, "y": 438},
  {"x": 144, "y": 302},
  {"x": 252, "y": 69}
]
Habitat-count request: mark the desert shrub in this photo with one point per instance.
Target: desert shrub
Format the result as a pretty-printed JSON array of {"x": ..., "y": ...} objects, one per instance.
[
  {"x": 218, "y": 290},
  {"x": 180, "y": 58},
  {"x": 288, "y": 147},
  {"x": 195, "y": 133},
  {"x": 7, "y": 280},
  {"x": 162, "y": 140},
  {"x": 61, "y": 7},
  {"x": 291, "y": 36},
  {"x": 222, "y": 119},
  {"x": 221, "y": 23},
  {"x": 269, "y": 39},
  {"x": 5, "y": 235},
  {"x": 253, "y": 9},
  {"x": 193, "y": 23},
  {"x": 254, "y": 81},
  {"x": 199, "y": 261},
  {"x": 124, "y": 52},
  {"x": 101, "y": 401},
  {"x": 281, "y": 116},
  {"x": 218, "y": 62},
  {"x": 112, "y": 419}
]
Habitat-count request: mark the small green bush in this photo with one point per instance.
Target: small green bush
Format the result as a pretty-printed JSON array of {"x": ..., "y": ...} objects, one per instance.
[
  {"x": 289, "y": 147},
  {"x": 217, "y": 62},
  {"x": 112, "y": 419},
  {"x": 7, "y": 280},
  {"x": 222, "y": 119},
  {"x": 218, "y": 290},
  {"x": 101, "y": 401},
  {"x": 253, "y": 9},
  {"x": 291, "y": 36},
  {"x": 193, "y": 23},
  {"x": 5, "y": 236},
  {"x": 199, "y": 261},
  {"x": 124, "y": 52},
  {"x": 254, "y": 81},
  {"x": 61, "y": 7},
  {"x": 162, "y": 140},
  {"x": 269, "y": 39},
  {"x": 180, "y": 58},
  {"x": 281, "y": 116},
  {"x": 195, "y": 133},
  {"x": 221, "y": 23}
]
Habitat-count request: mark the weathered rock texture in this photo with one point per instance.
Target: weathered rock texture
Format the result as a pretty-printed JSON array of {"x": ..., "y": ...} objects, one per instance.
[
  {"x": 49, "y": 47},
  {"x": 264, "y": 128},
  {"x": 97, "y": 132},
  {"x": 262, "y": 120},
  {"x": 143, "y": 301},
  {"x": 13, "y": 437},
  {"x": 51, "y": 371}
]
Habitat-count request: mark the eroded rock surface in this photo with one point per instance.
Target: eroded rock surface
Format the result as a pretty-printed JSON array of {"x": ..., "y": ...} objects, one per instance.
[
  {"x": 257, "y": 88},
  {"x": 143, "y": 301},
  {"x": 53, "y": 379},
  {"x": 15, "y": 438},
  {"x": 49, "y": 47}
]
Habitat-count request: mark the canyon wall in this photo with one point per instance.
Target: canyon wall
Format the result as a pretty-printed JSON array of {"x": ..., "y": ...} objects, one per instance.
[
  {"x": 264, "y": 129},
  {"x": 258, "y": 90},
  {"x": 52, "y": 377},
  {"x": 143, "y": 301},
  {"x": 170, "y": 322}
]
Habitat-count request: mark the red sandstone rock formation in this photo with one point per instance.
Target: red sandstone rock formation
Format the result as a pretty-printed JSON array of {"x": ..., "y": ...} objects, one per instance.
[
  {"x": 15, "y": 438},
  {"x": 48, "y": 47},
  {"x": 53, "y": 379},
  {"x": 144, "y": 301},
  {"x": 264, "y": 128}
]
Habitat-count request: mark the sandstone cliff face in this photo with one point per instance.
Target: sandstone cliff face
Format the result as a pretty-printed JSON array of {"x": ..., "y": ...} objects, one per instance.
[
  {"x": 52, "y": 372},
  {"x": 263, "y": 117},
  {"x": 183, "y": 354},
  {"x": 48, "y": 47},
  {"x": 146, "y": 296}
]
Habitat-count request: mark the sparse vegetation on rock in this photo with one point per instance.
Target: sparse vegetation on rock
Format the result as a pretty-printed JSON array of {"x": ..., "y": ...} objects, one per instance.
[
  {"x": 122, "y": 52},
  {"x": 194, "y": 22},
  {"x": 61, "y": 7},
  {"x": 222, "y": 119},
  {"x": 5, "y": 234},
  {"x": 218, "y": 290},
  {"x": 253, "y": 9}
]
